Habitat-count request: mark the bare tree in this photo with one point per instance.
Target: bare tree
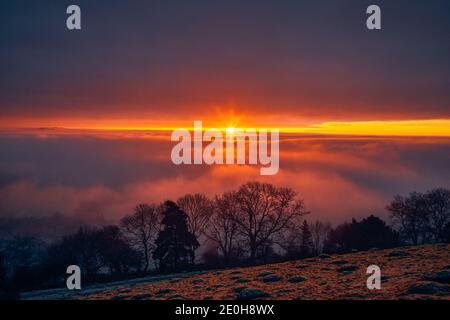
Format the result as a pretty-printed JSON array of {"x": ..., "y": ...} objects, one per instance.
[
  {"x": 406, "y": 213},
  {"x": 141, "y": 229},
  {"x": 290, "y": 239},
  {"x": 199, "y": 210},
  {"x": 263, "y": 211},
  {"x": 320, "y": 232},
  {"x": 437, "y": 206},
  {"x": 223, "y": 230},
  {"x": 422, "y": 217},
  {"x": 81, "y": 248},
  {"x": 115, "y": 252}
]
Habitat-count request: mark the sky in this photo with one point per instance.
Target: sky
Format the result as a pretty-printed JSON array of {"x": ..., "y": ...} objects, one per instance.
[
  {"x": 364, "y": 115},
  {"x": 163, "y": 64}
]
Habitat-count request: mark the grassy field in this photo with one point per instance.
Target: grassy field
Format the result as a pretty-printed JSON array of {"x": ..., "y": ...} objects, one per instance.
[{"x": 420, "y": 272}]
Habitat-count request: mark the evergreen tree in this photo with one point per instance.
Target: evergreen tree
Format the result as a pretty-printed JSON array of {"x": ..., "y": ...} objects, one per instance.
[
  {"x": 175, "y": 244},
  {"x": 307, "y": 244}
]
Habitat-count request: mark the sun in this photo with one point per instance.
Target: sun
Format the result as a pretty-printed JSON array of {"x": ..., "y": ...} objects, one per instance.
[{"x": 230, "y": 130}]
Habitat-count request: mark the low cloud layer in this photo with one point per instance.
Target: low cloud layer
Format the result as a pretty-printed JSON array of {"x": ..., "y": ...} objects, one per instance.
[{"x": 101, "y": 178}]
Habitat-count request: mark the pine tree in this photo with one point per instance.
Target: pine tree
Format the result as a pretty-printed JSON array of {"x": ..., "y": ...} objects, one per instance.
[
  {"x": 307, "y": 244},
  {"x": 175, "y": 244}
]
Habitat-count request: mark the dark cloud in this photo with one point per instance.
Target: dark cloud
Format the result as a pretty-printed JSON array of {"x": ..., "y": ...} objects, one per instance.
[{"x": 166, "y": 59}]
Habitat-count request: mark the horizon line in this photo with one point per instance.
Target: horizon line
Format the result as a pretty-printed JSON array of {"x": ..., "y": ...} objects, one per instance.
[{"x": 411, "y": 128}]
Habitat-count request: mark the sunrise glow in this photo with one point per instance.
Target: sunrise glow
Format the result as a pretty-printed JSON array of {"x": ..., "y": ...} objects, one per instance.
[{"x": 434, "y": 127}]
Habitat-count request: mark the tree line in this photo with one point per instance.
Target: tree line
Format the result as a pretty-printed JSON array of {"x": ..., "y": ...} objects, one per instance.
[{"x": 257, "y": 223}]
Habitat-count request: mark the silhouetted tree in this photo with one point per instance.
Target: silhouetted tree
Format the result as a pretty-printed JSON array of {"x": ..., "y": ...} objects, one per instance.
[
  {"x": 175, "y": 243},
  {"x": 307, "y": 244},
  {"x": 223, "y": 230},
  {"x": 198, "y": 209},
  {"x": 374, "y": 233},
  {"x": 263, "y": 211},
  {"x": 141, "y": 229},
  {"x": 341, "y": 238},
  {"x": 422, "y": 217},
  {"x": 96, "y": 251},
  {"x": 371, "y": 232},
  {"x": 80, "y": 248},
  {"x": 85, "y": 245},
  {"x": 290, "y": 239},
  {"x": 115, "y": 253},
  {"x": 409, "y": 214},
  {"x": 256, "y": 220},
  {"x": 320, "y": 232},
  {"x": 437, "y": 206}
]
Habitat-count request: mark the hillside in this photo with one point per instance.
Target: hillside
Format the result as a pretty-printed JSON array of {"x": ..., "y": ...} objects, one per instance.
[{"x": 421, "y": 272}]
